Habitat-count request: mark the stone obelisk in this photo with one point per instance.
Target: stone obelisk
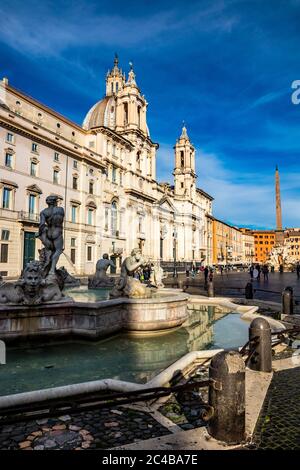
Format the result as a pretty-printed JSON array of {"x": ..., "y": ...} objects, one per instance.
[{"x": 279, "y": 234}]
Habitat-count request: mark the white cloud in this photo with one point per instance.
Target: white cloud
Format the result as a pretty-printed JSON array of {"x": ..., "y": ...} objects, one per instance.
[{"x": 42, "y": 31}]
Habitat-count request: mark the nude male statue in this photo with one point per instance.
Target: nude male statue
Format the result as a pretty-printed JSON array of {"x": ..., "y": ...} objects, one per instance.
[
  {"x": 102, "y": 266},
  {"x": 101, "y": 279},
  {"x": 51, "y": 231}
]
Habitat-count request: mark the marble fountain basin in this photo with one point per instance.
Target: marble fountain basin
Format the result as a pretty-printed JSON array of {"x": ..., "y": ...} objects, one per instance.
[{"x": 93, "y": 319}]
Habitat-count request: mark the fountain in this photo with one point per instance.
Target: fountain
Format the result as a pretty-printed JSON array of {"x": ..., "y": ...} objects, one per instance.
[{"x": 35, "y": 305}]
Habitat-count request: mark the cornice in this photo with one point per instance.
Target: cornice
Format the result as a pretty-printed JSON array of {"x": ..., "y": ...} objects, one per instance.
[{"x": 38, "y": 139}]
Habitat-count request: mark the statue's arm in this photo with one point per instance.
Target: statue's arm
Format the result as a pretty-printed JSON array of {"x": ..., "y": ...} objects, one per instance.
[
  {"x": 133, "y": 266},
  {"x": 42, "y": 224}
]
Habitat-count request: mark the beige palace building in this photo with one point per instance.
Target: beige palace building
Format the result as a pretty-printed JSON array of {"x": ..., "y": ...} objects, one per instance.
[
  {"x": 104, "y": 173},
  {"x": 231, "y": 245}
]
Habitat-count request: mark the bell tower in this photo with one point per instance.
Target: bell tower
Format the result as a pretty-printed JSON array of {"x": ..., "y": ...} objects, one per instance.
[
  {"x": 184, "y": 171},
  {"x": 115, "y": 79},
  {"x": 132, "y": 107}
]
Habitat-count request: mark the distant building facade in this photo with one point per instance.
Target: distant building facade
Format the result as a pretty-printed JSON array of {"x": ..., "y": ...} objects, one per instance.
[
  {"x": 230, "y": 245},
  {"x": 264, "y": 242},
  {"x": 292, "y": 244},
  {"x": 104, "y": 173}
]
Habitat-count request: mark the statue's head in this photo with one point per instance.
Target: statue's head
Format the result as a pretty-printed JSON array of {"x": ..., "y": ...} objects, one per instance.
[
  {"x": 52, "y": 200},
  {"x": 136, "y": 253},
  {"x": 32, "y": 277},
  {"x": 105, "y": 256}
]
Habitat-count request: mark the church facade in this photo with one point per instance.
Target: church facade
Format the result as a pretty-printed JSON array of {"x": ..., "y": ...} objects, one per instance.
[{"x": 104, "y": 173}]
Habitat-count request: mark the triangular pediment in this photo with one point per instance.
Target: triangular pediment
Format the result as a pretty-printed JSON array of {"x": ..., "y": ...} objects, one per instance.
[
  {"x": 34, "y": 189},
  {"x": 166, "y": 204}
]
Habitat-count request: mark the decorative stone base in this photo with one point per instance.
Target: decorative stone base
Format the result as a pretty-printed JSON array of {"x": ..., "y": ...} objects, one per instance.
[{"x": 92, "y": 320}]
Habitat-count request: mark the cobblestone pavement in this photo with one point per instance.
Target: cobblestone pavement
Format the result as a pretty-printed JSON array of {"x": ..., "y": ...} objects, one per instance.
[
  {"x": 184, "y": 409},
  {"x": 278, "y": 426},
  {"x": 86, "y": 430},
  {"x": 276, "y": 283}
]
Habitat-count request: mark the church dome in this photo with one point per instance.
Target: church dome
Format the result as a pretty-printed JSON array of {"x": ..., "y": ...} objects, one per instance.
[{"x": 103, "y": 113}]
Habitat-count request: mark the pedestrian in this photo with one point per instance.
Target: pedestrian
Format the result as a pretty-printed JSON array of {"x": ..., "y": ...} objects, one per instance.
[
  {"x": 206, "y": 271},
  {"x": 258, "y": 271},
  {"x": 298, "y": 270},
  {"x": 265, "y": 271},
  {"x": 251, "y": 271},
  {"x": 211, "y": 275},
  {"x": 187, "y": 273}
]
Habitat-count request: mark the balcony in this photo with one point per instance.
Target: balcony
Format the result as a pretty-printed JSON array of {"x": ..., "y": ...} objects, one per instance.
[
  {"x": 116, "y": 251},
  {"x": 28, "y": 217}
]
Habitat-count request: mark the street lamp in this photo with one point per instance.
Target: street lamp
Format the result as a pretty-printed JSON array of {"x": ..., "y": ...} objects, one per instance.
[{"x": 174, "y": 251}]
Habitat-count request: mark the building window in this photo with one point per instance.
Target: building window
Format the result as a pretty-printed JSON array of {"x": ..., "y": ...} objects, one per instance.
[
  {"x": 33, "y": 168},
  {"x": 75, "y": 182},
  {"x": 5, "y": 235},
  {"x": 90, "y": 217},
  {"x": 106, "y": 219},
  {"x": 140, "y": 224},
  {"x": 10, "y": 138},
  {"x": 114, "y": 150},
  {"x": 4, "y": 253},
  {"x": 114, "y": 218},
  {"x": 55, "y": 176},
  {"x": 181, "y": 158},
  {"x": 91, "y": 187},
  {"x": 114, "y": 175},
  {"x": 32, "y": 203},
  {"x": 125, "y": 114},
  {"x": 73, "y": 215},
  {"x": 6, "y": 198},
  {"x": 138, "y": 160},
  {"x": 56, "y": 156},
  {"x": 89, "y": 253},
  {"x": 117, "y": 89},
  {"x": 112, "y": 87},
  {"x": 34, "y": 147},
  {"x": 121, "y": 178},
  {"x": 73, "y": 255},
  {"x": 8, "y": 160},
  {"x": 73, "y": 242},
  {"x": 139, "y": 116},
  {"x": 75, "y": 164}
]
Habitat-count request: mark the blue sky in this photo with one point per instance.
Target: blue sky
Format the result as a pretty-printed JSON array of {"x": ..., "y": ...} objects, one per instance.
[{"x": 225, "y": 67}]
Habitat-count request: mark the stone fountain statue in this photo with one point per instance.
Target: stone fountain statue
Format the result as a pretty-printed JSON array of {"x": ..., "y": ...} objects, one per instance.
[
  {"x": 157, "y": 275},
  {"x": 40, "y": 281},
  {"x": 279, "y": 256},
  {"x": 101, "y": 279},
  {"x": 127, "y": 285}
]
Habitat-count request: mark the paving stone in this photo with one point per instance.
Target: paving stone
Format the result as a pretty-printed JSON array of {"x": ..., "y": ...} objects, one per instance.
[
  {"x": 25, "y": 444},
  {"x": 278, "y": 426}
]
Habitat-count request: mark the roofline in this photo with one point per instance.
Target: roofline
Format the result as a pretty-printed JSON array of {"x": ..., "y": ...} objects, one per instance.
[
  {"x": 225, "y": 223},
  {"x": 37, "y": 103},
  {"x": 205, "y": 194}
]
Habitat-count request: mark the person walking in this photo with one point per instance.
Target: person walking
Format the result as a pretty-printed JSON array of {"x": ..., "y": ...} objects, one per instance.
[
  {"x": 265, "y": 271},
  {"x": 206, "y": 271},
  {"x": 298, "y": 270},
  {"x": 259, "y": 271},
  {"x": 251, "y": 271}
]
